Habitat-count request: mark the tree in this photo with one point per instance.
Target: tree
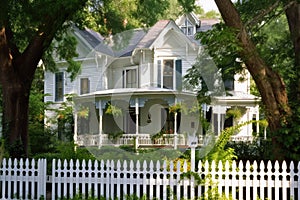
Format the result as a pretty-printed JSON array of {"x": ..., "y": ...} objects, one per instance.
[
  {"x": 280, "y": 97},
  {"x": 27, "y": 29}
]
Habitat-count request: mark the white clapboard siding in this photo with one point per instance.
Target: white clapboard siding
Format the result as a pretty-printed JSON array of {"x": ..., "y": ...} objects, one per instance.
[{"x": 25, "y": 179}]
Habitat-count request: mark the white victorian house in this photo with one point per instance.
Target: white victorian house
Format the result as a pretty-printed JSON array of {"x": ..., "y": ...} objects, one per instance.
[{"x": 131, "y": 88}]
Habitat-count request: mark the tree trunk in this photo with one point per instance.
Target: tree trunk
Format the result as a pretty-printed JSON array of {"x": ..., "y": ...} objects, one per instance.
[
  {"x": 17, "y": 68},
  {"x": 269, "y": 83},
  {"x": 15, "y": 94},
  {"x": 15, "y": 118}
]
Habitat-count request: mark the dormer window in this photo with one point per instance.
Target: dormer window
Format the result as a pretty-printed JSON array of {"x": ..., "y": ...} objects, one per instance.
[{"x": 187, "y": 27}]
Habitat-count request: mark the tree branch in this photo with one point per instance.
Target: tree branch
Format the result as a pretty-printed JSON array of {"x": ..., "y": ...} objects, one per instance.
[{"x": 266, "y": 11}]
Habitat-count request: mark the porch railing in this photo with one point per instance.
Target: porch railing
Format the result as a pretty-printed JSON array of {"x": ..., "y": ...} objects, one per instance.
[{"x": 143, "y": 140}]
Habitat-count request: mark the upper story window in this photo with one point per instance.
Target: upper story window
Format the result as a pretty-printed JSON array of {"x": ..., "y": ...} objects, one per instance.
[
  {"x": 130, "y": 77},
  {"x": 187, "y": 27},
  {"x": 59, "y": 86},
  {"x": 84, "y": 85},
  {"x": 169, "y": 73},
  {"x": 229, "y": 84}
]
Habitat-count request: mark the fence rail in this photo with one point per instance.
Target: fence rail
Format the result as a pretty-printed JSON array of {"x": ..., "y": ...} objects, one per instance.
[{"x": 27, "y": 179}]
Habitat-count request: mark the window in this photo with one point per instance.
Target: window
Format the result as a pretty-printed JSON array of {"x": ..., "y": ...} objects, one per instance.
[
  {"x": 169, "y": 74},
  {"x": 59, "y": 86},
  {"x": 187, "y": 27},
  {"x": 130, "y": 77},
  {"x": 84, "y": 85},
  {"x": 168, "y": 68},
  {"x": 229, "y": 84}
]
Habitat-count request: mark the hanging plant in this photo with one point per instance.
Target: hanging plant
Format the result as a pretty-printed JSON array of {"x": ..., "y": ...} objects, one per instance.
[
  {"x": 194, "y": 110},
  {"x": 113, "y": 110},
  {"x": 236, "y": 112},
  {"x": 264, "y": 123},
  {"x": 178, "y": 107},
  {"x": 83, "y": 112}
]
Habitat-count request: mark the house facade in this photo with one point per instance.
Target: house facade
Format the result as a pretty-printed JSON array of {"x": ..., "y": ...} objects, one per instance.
[{"x": 130, "y": 89}]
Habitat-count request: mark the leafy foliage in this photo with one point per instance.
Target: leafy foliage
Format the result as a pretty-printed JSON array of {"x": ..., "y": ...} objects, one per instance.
[
  {"x": 252, "y": 150},
  {"x": 220, "y": 151},
  {"x": 222, "y": 46}
]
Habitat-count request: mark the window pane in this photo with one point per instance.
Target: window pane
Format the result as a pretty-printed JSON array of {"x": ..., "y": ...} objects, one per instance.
[
  {"x": 84, "y": 86},
  {"x": 188, "y": 23},
  {"x": 183, "y": 30},
  {"x": 168, "y": 66},
  {"x": 130, "y": 77},
  {"x": 190, "y": 31},
  {"x": 59, "y": 86}
]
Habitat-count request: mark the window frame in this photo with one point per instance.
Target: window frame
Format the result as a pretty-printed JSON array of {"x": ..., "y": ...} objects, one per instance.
[
  {"x": 186, "y": 26},
  {"x": 174, "y": 72},
  {"x": 59, "y": 97},
  {"x": 80, "y": 85},
  {"x": 124, "y": 76}
]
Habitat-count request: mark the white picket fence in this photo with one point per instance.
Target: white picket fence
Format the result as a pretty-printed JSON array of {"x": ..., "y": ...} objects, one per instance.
[
  {"x": 115, "y": 179},
  {"x": 23, "y": 179}
]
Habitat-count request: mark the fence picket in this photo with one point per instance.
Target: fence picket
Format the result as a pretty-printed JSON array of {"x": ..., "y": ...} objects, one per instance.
[
  {"x": 157, "y": 180},
  {"x": 145, "y": 174},
  {"x": 262, "y": 181},
  {"x": 178, "y": 181},
  {"x": 276, "y": 180},
  {"x": 220, "y": 176},
  {"x": 120, "y": 182},
  {"x": 233, "y": 179},
  {"x": 108, "y": 174},
  {"x": 255, "y": 182},
  {"x": 207, "y": 180},
  {"x": 151, "y": 179},
  {"x": 298, "y": 178},
  {"x": 102, "y": 178},
  {"x": 270, "y": 185},
  {"x": 248, "y": 180},
  {"x": 241, "y": 179},
  {"x": 284, "y": 176}
]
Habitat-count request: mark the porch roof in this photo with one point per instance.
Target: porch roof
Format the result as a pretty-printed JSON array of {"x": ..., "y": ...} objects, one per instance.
[
  {"x": 127, "y": 92},
  {"x": 236, "y": 98}
]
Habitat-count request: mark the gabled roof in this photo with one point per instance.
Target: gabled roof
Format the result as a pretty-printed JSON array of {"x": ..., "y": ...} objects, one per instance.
[
  {"x": 152, "y": 34},
  {"x": 92, "y": 38},
  {"x": 124, "y": 44},
  {"x": 191, "y": 16}
]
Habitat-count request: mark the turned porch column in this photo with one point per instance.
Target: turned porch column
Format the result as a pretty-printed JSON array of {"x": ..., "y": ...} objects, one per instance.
[
  {"x": 175, "y": 127},
  {"x": 137, "y": 122},
  {"x": 100, "y": 123},
  {"x": 75, "y": 137}
]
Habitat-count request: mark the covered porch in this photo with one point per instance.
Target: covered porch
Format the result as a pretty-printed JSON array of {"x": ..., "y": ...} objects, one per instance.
[
  {"x": 140, "y": 117},
  {"x": 157, "y": 117}
]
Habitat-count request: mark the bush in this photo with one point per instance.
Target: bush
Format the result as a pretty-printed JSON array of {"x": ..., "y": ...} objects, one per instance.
[{"x": 252, "y": 150}]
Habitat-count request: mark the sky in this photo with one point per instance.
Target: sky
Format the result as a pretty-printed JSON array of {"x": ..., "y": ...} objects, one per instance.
[{"x": 208, "y": 5}]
